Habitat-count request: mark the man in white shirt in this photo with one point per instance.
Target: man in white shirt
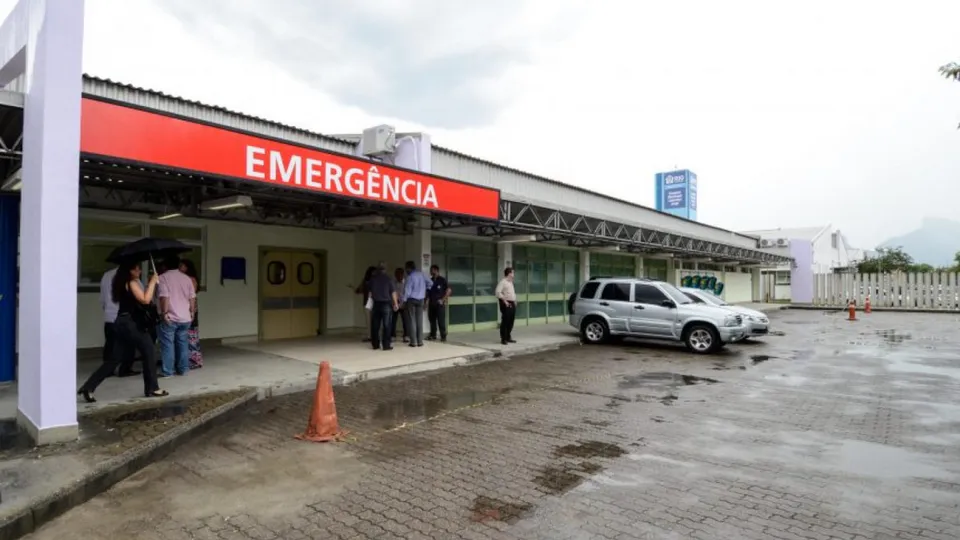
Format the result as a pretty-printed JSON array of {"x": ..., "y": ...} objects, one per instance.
[
  {"x": 110, "y": 309},
  {"x": 507, "y": 296}
]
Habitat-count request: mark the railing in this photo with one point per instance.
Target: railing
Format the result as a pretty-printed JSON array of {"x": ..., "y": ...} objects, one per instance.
[{"x": 936, "y": 291}]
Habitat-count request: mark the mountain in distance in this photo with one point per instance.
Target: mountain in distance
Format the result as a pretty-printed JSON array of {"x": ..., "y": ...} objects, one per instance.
[{"x": 934, "y": 243}]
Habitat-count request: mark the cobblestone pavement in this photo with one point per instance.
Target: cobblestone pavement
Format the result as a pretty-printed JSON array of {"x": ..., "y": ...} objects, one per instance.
[{"x": 833, "y": 430}]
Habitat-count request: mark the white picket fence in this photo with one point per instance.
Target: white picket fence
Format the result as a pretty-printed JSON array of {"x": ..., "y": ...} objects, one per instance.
[{"x": 934, "y": 291}]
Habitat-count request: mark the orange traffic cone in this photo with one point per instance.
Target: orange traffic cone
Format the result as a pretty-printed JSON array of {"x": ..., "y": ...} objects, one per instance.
[
  {"x": 852, "y": 308},
  {"x": 866, "y": 305},
  {"x": 323, "y": 425}
]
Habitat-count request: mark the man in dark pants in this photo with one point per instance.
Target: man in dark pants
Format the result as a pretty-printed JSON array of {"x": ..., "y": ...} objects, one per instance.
[
  {"x": 384, "y": 296},
  {"x": 414, "y": 293},
  {"x": 507, "y": 297},
  {"x": 437, "y": 297}
]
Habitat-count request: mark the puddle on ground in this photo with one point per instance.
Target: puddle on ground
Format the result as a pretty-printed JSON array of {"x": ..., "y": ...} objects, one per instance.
[
  {"x": 152, "y": 414},
  {"x": 893, "y": 337},
  {"x": 881, "y": 461},
  {"x": 560, "y": 479},
  {"x": 394, "y": 413},
  {"x": 490, "y": 509},
  {"x": 596, "y": 423},
  {"x": 760, "y": 358},
  {"x": 668, "y": 399},
  {"x": 590, "y": 449},
  {"x": 662, "y": 379}
]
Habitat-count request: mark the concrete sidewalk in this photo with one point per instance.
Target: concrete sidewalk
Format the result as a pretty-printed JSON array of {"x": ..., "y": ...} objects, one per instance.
[
  {"x": 123, "y": 432},
  {"x": 284, "y": 367}
]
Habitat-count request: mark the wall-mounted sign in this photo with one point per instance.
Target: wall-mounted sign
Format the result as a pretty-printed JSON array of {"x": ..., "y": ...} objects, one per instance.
[{"x": 113, "y": 131}]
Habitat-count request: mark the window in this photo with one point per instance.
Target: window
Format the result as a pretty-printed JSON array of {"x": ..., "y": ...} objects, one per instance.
[
  {"x": 305, "y": 273},
  {"x": 648, "y": 294},
  {"x": 695, "y": 298},
  {"x": 276, "y": 273},
  {"x": 616, "y": 292},
  {"x": 100, "y": 236},
  {"x": 783, "y": 278},
  {"x": 589, "y": 290}
]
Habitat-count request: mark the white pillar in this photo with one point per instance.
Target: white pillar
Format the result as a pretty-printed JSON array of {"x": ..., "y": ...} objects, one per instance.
[
  {"x": 420, "y": 245},
  {"x": 584, "y": 266},
  {"x": 755, "y": 281},
  {"x": 639, "y": 265},
  {"x": 47, "y": 381},
  {"x": 504, "y": 258},
  {"x": 672, "y": 275}
]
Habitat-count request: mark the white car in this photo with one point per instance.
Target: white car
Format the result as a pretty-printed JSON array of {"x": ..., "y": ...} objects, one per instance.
[{"x": 756, "y": 322}]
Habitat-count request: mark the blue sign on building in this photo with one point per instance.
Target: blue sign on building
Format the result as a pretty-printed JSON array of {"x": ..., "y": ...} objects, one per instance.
[{"x": 677, "y": 193}]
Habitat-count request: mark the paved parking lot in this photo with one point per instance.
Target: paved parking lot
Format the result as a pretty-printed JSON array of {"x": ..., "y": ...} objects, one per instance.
[{"x": 833, "y": 430}]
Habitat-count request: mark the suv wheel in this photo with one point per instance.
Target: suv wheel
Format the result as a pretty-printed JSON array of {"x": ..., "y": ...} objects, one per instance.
[
  {"x": 702, "y": 339},
  {"x": 594, "y": 331}
]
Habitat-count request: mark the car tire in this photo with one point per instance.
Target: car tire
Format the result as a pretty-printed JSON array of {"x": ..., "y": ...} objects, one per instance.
[
  {"x": 702, "y": 338},
  {"x": 594, "y": 331}
]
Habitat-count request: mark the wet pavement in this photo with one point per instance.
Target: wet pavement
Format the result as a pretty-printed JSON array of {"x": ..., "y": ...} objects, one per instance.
[{"x": 832, "y": 430}]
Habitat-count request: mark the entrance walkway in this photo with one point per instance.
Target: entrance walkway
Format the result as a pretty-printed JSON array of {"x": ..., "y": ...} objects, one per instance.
[{"x": 283, "y": 367}]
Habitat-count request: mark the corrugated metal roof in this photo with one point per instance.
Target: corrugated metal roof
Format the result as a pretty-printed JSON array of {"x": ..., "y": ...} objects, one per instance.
[
  {"x": 146, "y": 97},
  {"x": 155, "y": 99}
]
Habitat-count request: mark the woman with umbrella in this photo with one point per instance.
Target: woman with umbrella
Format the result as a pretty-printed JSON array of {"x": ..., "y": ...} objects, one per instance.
[{"x": 133, "y": 322}]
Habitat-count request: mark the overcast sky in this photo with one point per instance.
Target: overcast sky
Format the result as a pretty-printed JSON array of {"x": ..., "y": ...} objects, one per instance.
[{"x": 792, "y": 114}]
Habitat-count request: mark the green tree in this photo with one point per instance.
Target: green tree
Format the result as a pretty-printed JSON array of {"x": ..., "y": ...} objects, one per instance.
[
  {"x": 892, "y": 259},
  {"x": 951, "y": 71}
]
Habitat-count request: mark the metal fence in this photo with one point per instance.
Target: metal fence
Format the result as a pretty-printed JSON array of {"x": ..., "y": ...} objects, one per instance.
[{"x": 933, "y": 291}]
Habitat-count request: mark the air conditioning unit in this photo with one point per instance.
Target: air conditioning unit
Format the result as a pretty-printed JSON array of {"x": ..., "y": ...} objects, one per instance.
[
  {"x": 378, "y": 141},
  {"x": 766, "y": 243},
  {"x": 782, "y": 242}
]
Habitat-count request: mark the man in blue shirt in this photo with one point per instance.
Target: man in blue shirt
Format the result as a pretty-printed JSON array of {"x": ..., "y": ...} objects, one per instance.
[
  {"x": 437, "y": 297},
  {"x": 414, "y": 292}
]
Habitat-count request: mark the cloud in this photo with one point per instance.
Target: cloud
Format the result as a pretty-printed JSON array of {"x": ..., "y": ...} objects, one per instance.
[
  {"x": 790, "y": 114},
  {"x": 435, "y": 61}
]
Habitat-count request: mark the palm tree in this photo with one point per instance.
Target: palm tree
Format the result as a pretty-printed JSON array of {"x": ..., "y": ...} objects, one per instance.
[{"x": 951, "y": 71}]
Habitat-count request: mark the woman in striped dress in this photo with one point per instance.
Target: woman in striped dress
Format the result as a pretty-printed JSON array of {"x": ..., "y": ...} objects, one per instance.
[{"x": 193, "y": 334}]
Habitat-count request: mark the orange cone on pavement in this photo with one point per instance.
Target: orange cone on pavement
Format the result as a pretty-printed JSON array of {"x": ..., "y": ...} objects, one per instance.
[
  {"x": 323, "y": 425},
  {"x": 866, "y": 305},
  {"x": 853, "y": 311}
]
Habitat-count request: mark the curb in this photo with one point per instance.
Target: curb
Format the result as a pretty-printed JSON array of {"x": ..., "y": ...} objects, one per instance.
[
  {"x": 108, "y": 473},
  {"x": 808, "y": 307}
]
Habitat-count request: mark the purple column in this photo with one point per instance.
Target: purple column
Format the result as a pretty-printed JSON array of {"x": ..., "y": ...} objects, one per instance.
[
  {"x": 801, "y": 274},
  {"x": 42, "y": 43}
]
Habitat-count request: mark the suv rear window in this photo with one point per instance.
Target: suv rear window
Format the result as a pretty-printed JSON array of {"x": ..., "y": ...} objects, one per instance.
[
  {"x": 589, "y": 290},
  {"x": 616, "y": 291}
]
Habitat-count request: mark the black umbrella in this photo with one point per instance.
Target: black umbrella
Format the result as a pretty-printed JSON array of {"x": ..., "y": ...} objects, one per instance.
[{"x": 146, "y": 248}]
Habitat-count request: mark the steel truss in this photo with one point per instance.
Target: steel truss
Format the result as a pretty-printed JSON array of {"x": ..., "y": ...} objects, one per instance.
[{"x": 551, "y": 225}]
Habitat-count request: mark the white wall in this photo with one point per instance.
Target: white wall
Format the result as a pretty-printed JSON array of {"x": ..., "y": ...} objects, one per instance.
[
  {"x": 738, "y": 287},
  {"x": 230, "y": 310},
  {"x": 371, "y": 249}
]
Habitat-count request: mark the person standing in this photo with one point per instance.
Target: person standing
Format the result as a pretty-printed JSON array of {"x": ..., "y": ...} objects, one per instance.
[
  {"x": 110, "y": 309},
  {"x": 507, "y": 297},
  {"x": 398, "y": 314},
  {"x": 385, "y": 302},
  {"x": 178, "y": 303},
  {"x": 131, "y": 325},
  {"x": 363, "y": 289},
  {"x": 193, "y": 335},
  {"x": 437, "y": 297},
  {"x": 414, "y": 292}
]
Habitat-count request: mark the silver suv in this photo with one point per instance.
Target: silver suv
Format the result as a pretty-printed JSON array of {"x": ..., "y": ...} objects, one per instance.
[{"x": 611, "y": 307}]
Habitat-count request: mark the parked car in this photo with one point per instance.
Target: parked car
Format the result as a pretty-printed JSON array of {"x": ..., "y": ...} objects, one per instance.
[
  {"x": 757, "y": 323},
  {"x": 613, "y": 307}
]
